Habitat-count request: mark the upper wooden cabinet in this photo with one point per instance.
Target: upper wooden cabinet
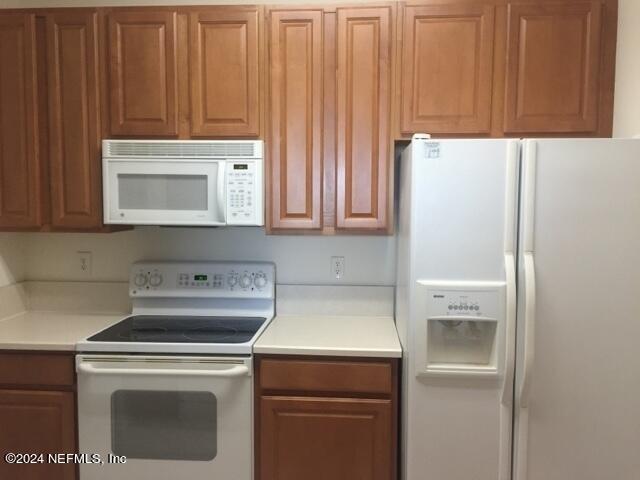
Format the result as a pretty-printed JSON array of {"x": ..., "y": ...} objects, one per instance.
[
  {"x": 447, "y": 68},
  {"x": 294, "y": 177},
  {"x": 20, "y": 168},
  {"x": 143, "y": 72},
  {"x": 329, "y": 141},
  {"x": 74, "y": 136},
  {"x": 553, "y": 67},
  {"x": 224, "y": 56},
  {"x": 364, "y": 48}
]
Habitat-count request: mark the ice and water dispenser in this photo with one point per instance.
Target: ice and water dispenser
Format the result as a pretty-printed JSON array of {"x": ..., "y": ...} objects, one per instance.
[{"x": 460, "y": 328}]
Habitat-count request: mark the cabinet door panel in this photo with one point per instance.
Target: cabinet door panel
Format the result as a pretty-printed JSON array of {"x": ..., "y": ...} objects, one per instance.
[
  {"x": 74, "y": 120},
  {"x": 295, "y": 156},
  {"x": 447, "y": 65},
  {"x": 322, "y": 438},
  {"x": 224, "y": 58},
  {"x": 20, "y": 196},
  {"x": 364, "y": 48},
  {"x": 553, "y": 66},
  {"x": 37, "y": 422},
  {"x": 142, "y": 64}
]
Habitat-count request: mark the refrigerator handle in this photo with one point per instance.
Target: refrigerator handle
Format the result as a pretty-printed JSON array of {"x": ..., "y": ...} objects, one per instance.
[
  {"x": 510, "y": 326},
  {"x": 529, "y": 327},
  {"x": 511, "y": 211}
]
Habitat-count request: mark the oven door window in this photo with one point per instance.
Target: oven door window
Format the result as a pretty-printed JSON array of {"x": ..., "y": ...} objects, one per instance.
[{"x": 164, "y": 425}]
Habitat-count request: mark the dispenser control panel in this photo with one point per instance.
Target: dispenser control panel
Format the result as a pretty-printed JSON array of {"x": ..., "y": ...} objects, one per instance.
[{"x": 445, "y": 301}]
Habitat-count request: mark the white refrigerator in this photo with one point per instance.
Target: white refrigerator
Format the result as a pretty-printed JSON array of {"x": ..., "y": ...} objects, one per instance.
[{"x": 518, "y": 306}]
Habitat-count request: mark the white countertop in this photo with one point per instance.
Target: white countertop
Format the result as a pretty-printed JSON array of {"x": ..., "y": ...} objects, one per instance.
[
  {"x": 331, "y": 335},
  {"x": 34, "y": 330}
]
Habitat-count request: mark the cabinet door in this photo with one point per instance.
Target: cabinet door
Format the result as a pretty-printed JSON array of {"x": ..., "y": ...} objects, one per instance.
[
  {"x": 74, "y": 138},
  {"x": 294, "y": 179},
  {"x": 20, "y": 195},
  {"x": 322, "y": 438},
  {"x": 142, "y": 64},
  {"x": 37, "y": 422},
  {"x": 553, "y": 67},
  {"x": 224, "y": 57},
  {"x": 364, "y": 48},
  {"x": 447, "y": 65}
]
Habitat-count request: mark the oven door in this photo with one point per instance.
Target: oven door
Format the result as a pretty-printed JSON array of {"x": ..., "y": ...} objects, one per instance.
[
  {"x": 164, "y": 192},
  {"x": 171, "y": 417}
]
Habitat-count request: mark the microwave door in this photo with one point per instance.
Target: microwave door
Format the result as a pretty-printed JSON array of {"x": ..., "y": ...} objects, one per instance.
[{"x": 139, "y": 192}]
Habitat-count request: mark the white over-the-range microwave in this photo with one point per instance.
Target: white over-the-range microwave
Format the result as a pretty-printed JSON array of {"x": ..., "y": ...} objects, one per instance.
[{"x": 183, "y": 182}]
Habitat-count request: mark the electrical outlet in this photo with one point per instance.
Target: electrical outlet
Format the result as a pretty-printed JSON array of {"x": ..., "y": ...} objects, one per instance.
[
  {"x": 337, "y": 267},
  {"x": 83, "y": 261}
]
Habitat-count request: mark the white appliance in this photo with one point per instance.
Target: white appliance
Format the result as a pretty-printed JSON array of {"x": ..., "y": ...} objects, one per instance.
[
  {"x": 554, "y": 362},
  {"x": 170, "y": 387},
  {"x": 183, "y": 182}
]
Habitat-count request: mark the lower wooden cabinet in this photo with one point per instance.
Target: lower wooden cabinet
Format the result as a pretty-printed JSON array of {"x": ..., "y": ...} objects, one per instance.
[
  {"x": 37, "y": 422},
  {"x": 37, "y": 413},
  {"x": 318, "y": 438},
  {"x": 326, "y": 418}
]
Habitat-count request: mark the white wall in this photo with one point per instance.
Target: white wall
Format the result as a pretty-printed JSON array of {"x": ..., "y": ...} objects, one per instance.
[
  {"x": 370, "y": 260},
  {"x": 626, "y": 113},
  {"x": 12, "y": 256}
]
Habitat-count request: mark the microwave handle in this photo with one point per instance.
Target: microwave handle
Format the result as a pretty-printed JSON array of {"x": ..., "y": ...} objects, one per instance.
[{"x": 222, "y": 204}]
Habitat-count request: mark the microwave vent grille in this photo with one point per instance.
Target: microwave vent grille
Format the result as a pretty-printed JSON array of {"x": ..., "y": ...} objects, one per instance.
[{"x": 177, "y": 149}]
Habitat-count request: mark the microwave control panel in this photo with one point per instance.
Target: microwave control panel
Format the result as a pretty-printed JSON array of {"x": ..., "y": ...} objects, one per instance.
[{"x": 244, "y": 193}]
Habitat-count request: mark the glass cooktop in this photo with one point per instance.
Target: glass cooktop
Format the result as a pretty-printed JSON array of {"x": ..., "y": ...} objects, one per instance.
[{"x": 181, "y": 329}]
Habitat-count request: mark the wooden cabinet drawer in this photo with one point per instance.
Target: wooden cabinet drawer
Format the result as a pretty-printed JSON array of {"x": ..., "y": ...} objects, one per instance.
[
  {"x": 326, "y": 376},
  {"x": 36, "y": 369}
]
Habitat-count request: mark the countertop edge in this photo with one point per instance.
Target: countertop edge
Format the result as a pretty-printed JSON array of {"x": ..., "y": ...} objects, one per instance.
[
  {"x": 43, "y": 347},
  {"x": 327, "y": 352}
]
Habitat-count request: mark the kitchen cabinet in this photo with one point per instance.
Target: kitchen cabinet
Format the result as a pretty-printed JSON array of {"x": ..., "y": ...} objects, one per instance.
[
  {"x": 74, "y": 136},
  {"x": 326, "y": 417},
  {"x": 553, "y": 67},
  {"x": 329, "y": 142},
  {"x": 447, "y": 68},
  {"x": 200, "y": 66},
  {"x": 37, "y": 413},
  {"x": 143, "y": 83},
  {"x": 364, "y": 154},
  {"x": 294, "y": 169},
  {"x": 20, "y": 162},
  {"x": 225, "y": 54}
]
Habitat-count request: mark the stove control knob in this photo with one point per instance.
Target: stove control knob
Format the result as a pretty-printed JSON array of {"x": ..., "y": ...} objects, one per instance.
[
  {"x": 232, "y": 280},
  {"x": 260, "y": 280},
  {"x": 245, "y": 281},
  {"x": 155, "y": 280},
  {"x": 140, "y": 280}
]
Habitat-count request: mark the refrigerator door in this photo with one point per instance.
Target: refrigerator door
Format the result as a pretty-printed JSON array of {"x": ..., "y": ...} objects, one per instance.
[
  {"x": 455, "y": 307},
  {"x": 578, "y": 373}
]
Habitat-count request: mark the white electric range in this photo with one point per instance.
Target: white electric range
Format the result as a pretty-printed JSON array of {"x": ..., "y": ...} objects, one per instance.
[{"x": 169, "y": 387}]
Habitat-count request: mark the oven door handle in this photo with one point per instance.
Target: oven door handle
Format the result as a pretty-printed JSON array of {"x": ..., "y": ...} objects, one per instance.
[{"x": 236, "y": 371}]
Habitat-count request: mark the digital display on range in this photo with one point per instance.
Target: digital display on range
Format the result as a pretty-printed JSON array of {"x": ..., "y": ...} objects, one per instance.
[
  {"x": 200, "y": 278},
  {"x": 240, "y": 166}
]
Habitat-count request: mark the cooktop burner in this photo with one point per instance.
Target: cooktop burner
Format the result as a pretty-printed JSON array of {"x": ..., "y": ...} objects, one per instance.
[{"x": 181, "y": 329}]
